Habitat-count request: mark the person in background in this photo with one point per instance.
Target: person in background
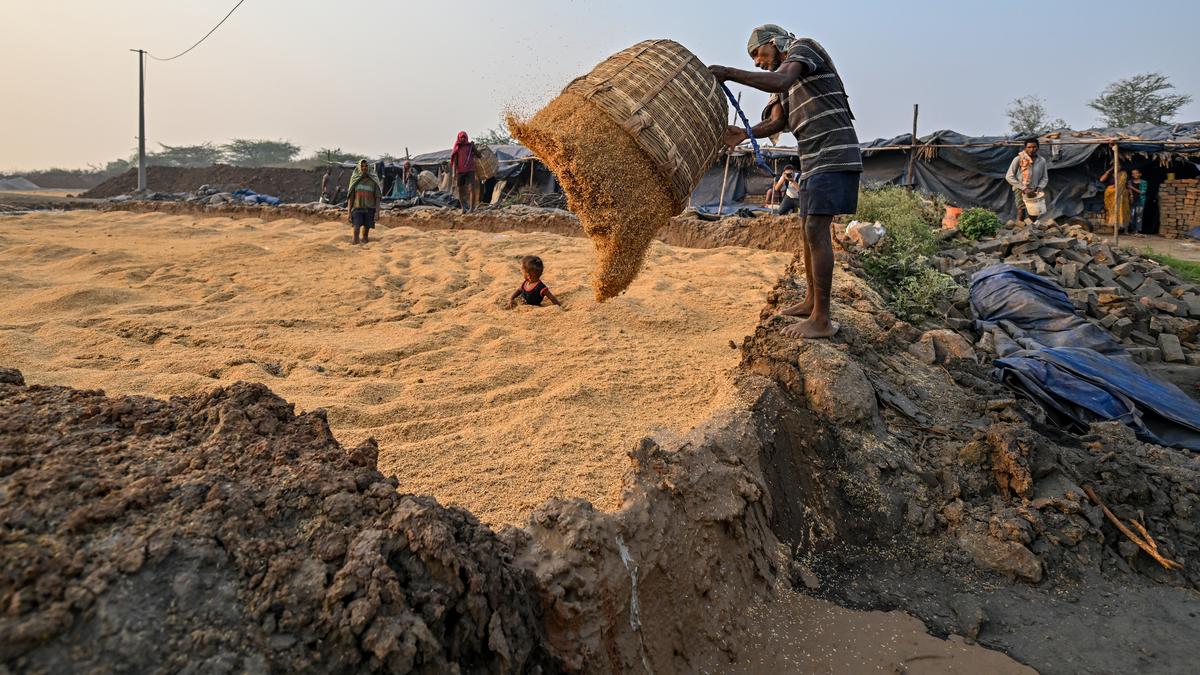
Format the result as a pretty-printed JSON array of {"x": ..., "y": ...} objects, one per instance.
[
  {"x": 1140, "y": 188},
  {"x": 789, "y": 187},
  {"x": 1117, "y": 202},
  {"x": 532, "y": 290},
  {"x": 409, "y": 176},
  {"x": 1027, "y": 175},
  {"x": 462, "y": 163},
  {"x": 326, "y": 197},
  {"x": 364, "y": 197},
  {"x": 809, "y": 98}
]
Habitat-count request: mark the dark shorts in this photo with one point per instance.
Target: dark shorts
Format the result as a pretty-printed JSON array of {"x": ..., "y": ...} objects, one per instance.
[
  {"x": 829, "y": 194},
  {"x": 363, "y": 217},
  {"x": 465, "y": 178},
  {"x": 789, "y": 205}
]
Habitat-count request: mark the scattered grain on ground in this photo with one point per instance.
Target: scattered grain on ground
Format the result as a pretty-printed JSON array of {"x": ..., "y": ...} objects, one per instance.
[{"x": 406, "y": 339}]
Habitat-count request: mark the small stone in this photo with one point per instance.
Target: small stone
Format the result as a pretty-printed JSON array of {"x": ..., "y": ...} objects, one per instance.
[
  {"x": 990, "y": 246},
  {"x": 1193, "y": 304},
  {"x": 1122, "y": 328},
  {"x": 1070, "y": 274},
  {"x": 1150, "y": 289},
  {"x": 1172, "y": 352},
  {"x": 1144, "y": 354},
  {"x": 1059, "y": 243},
  {"x": 1103, "y": 273},
  {"x": 11, "y": 376},
  {"x": 1142, "y": 337},
  {"x": 1131, "y": 281},
  {"x": 1007, "y": 557},
  {"x": 1077, "y": 256}
]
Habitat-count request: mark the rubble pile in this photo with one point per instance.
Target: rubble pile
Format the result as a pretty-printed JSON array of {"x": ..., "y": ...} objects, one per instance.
[
  {"x": 1144, "y": 304},
  {"x": 925, "y": 448}
]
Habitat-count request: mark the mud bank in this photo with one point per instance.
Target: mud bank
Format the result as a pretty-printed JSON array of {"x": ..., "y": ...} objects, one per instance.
[
  {"x": 962, "y": 505},
  {"x": 224, "y": 529},
  {"x": 770, "y": 233}
]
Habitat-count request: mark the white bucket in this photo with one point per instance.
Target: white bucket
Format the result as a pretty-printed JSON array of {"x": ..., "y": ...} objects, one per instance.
[{"x": 1035, "y": 205}]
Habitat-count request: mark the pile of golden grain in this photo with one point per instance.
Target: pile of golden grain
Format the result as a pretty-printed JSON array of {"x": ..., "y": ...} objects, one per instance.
[{"x": 611, "y": 184}]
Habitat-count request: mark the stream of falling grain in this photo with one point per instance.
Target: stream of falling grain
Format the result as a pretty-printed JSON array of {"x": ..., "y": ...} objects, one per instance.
[{"x": 612, "y": 185}]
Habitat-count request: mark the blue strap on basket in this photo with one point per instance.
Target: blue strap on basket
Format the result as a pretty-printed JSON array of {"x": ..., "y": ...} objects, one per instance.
[{"x": 758, "y": 157}]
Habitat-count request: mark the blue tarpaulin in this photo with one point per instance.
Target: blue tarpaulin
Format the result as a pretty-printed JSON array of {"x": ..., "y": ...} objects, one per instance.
[
  {"x": 252, "y": 197},
  {"x": 1076, "y": 370}
]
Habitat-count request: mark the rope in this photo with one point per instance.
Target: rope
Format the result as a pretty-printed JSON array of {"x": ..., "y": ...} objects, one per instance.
[
  {"x": 758, "y": 156},
  {"x": 214, "y": 29}
]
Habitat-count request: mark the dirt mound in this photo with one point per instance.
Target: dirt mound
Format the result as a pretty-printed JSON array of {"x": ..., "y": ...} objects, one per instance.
[
  {"x": 929, "y": 484},
  {"x": 223, "y": 532},
  {"x": 17, "y": 183},
  {"x": 290, "y": 185}
]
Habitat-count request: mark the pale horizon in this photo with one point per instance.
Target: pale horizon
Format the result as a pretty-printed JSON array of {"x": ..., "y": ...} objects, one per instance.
[{"x": 414, "y": 76}]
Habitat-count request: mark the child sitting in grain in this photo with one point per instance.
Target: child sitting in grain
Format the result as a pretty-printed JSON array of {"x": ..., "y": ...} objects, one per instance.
[{"x": 532, "y": 290}]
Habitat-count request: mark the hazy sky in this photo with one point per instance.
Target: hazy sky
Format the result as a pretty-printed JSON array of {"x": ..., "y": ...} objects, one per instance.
[{"x": 375, "y": 76}]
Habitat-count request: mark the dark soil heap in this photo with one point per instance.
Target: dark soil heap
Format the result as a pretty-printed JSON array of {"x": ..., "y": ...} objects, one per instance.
[
  {"x": 224, "y": 533},
  {"x": 290, "y": 185}
]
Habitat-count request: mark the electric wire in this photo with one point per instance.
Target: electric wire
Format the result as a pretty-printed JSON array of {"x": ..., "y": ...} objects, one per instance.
[{"x": 214, "y": 29}]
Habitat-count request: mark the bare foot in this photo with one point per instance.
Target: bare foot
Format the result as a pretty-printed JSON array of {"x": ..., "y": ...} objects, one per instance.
[
  {"x": 810, "y": 328},
  {"x": 802, "y": 308}
]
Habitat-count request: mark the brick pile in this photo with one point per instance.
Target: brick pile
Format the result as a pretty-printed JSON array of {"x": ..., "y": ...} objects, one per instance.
[
  {"x": 1179, "y": 207},
  {"x": 1143, "y": 303}
]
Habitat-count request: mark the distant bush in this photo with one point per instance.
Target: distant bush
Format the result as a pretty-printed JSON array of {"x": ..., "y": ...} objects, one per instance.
[
  {"x": 899, "y": 263},
  {"x": 978, "y": 223}
]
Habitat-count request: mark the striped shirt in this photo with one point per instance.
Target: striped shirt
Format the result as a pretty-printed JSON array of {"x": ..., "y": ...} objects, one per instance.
[
  {"x": 818, "y": 113},
  {"x": 365, "y": 195}
]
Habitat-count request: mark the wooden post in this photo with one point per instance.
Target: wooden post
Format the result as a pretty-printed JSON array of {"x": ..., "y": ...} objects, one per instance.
[
  {"x": 1116, "y": 194},
  {"x": 912, "y": 153},
  {"x": 728, "y": 155},
  {"x": 724, "y": 181}
]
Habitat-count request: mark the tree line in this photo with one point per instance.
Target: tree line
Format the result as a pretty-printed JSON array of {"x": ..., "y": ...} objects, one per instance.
[{"x": 1146, "y": 97}]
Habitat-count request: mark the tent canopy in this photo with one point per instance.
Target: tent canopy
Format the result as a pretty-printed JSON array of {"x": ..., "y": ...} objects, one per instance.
[{"x": 974, "y": 175}]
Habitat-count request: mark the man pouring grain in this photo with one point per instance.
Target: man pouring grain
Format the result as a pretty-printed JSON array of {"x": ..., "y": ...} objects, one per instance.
[{"x": 808, "y": 98}]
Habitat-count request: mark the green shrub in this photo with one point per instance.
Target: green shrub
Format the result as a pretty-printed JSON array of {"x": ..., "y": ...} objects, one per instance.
[
  {"x": 909, "y": 237},
  {"x": 899, "y": 264},
  {"x": 918, "y": 295},
  {"x": 977, "y": 223}
]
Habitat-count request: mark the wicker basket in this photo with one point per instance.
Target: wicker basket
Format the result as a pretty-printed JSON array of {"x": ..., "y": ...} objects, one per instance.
[
  {"x": 486, "y": 162},
  {"x": 661, "y": 94},
  {"x": 426, "y": 181}
]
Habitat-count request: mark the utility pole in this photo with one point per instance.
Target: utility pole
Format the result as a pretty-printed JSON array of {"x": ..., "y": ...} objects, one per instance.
[{"x": 141, "y": 118}]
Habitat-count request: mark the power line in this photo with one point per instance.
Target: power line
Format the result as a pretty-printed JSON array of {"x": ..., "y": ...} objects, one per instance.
[{"x": 214, "y": 29}]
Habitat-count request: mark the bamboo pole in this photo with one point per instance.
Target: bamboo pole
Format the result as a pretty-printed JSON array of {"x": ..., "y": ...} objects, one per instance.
[
  {"x": 1116, "y": 194},
  {"x": 728, "y": 156},
  {"x": 724, "y": 182},
  {"x": 912, "y": 152}
]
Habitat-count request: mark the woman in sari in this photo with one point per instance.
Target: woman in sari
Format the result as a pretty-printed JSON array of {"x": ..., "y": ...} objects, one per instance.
[
  {"x": 1118, "y": 205},
  {"x": 364, "y": 197}
]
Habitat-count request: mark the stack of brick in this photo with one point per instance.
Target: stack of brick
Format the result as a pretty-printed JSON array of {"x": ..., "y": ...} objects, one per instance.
[
  {"x": 1179, "y": 207},
  {"x": 1143, "y": 303}
]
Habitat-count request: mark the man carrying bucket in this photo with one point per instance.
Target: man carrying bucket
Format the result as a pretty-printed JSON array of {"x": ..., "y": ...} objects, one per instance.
[
  {"x": 1028, "y": 176},
  {"x": 809, "y": 98}
]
